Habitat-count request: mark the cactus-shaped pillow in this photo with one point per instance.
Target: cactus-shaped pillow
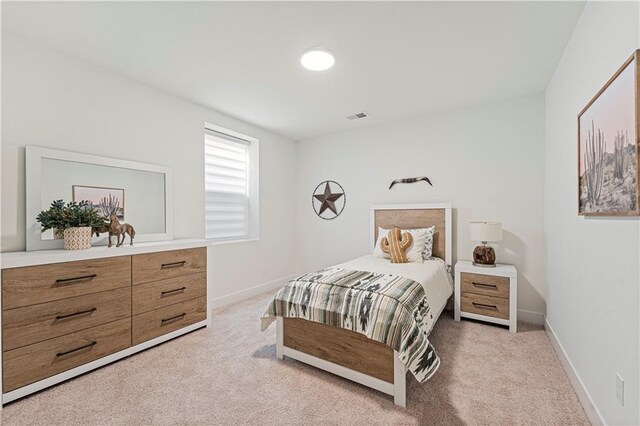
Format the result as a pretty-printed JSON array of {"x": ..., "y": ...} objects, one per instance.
[{"x": 395, "y": 244}]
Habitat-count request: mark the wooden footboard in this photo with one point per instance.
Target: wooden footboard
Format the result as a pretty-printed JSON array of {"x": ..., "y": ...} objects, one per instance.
[
  {"x": 343, "y": 347},
  {"x": 343, "y": 352}
]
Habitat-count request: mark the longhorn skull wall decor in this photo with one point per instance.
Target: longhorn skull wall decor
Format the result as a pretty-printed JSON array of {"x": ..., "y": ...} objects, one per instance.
[{"x": 411, "y": 180}]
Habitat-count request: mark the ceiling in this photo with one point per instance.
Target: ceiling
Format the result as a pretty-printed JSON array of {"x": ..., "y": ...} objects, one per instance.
[{"x": 393, "y": 60}]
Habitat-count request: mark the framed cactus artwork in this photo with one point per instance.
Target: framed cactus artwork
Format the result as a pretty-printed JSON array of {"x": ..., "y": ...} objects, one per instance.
[
  {"x": 608, "y": 141},
  {"x": 106, "y": 201}
]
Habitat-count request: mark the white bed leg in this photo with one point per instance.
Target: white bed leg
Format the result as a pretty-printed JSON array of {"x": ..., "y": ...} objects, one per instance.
[
  {"x": 399, "y": 381},
  {"x": 279, "y": 337}
]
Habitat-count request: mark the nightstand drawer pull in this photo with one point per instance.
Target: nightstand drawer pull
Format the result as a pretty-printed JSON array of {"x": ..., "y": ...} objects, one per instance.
[
  {"x": 483, "y": 285},
  {"x": 484, "y": 306},
  {"x": 174, "y": 318},
  {"x": 173, "y": 264},
  {"x": 59, "y": 354},
  {"x": 75, "y": 314}
]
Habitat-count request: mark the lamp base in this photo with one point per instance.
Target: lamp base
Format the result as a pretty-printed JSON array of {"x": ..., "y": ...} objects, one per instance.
[{"x": 484, "y": 256}]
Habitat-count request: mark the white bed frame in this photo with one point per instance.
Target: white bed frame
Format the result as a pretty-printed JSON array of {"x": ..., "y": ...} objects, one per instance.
[{"x": 398, "y": 389}]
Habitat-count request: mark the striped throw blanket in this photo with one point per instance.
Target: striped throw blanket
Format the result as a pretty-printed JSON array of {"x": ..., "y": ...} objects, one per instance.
[{"x": 384, "y": 307}]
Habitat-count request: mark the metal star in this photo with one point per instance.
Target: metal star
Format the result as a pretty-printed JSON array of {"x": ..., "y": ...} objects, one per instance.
[{"x": 328, "y": 199}]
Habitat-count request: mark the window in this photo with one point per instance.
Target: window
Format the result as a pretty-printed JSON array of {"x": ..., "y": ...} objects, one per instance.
[{"x": 230, "y": 185}]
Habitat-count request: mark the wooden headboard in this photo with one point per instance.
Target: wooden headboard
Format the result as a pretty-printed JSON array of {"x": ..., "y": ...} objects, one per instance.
[{"x": 411, "y": 216}]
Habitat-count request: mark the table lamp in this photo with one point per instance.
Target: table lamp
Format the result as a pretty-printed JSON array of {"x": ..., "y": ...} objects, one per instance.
[{"x": 485, "y": 232}]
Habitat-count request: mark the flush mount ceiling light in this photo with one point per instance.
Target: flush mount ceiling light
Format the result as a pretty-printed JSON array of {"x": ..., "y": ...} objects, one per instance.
[{"x": 317, "y": 59}]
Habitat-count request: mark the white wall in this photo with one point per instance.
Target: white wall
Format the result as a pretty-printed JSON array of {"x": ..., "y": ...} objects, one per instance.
[
  {"x": 486, "y": 160},
  {"x": 592, "y": 264},
  {"x": 55, "y": 101}
]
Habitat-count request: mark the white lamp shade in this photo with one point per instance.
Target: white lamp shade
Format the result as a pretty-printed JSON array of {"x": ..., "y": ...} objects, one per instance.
[{"x": 485, "y": 231}]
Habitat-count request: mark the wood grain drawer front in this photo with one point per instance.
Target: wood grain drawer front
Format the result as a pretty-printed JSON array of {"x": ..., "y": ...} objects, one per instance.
[
  {"x": 168, "y": 264},
  {"x": 36, "y": 362},
  {"x": 485, "y": 284},
  {"x": 497, "y": 307},
  {"x": 170, "y": 318},
  {"x": 44, "y": 283},
  {"x": 35, "y": 323},
  {"x": 158, "y": 294}
]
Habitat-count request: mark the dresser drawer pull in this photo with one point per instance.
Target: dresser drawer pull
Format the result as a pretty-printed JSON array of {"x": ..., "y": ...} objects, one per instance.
[
  {"x": 174, "y": 291},
  {"x": 173, "y": 265},
  {"x": 88, "y": 345},
  {"x": 174, "y": 318},
  {"x": 75, "y": 314},
  {"x": 475, "y": 284},
  {"x": 483, "y": 306},
  {"x": 76, "y": 279}
]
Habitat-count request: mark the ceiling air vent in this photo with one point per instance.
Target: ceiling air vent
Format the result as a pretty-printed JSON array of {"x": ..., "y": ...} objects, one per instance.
[{"x": 358, "y": 116}]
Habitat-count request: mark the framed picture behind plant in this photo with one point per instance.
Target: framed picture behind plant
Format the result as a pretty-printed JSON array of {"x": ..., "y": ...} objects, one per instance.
[
  {"x": 608, "y": 140},
  {"x": 106, "y": 201}
]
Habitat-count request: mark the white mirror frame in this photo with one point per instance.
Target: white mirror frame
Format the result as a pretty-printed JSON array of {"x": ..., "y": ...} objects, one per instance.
[{"x": 33, "y": 171}]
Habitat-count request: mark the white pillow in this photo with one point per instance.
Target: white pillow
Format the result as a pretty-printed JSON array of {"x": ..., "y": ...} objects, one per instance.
[
  {"x": 414, "y": 252},
  {"x": 427, "y": 253}
]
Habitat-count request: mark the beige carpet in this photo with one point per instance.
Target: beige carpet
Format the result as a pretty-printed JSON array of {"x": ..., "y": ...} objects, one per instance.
[{"x": 229, "y": 375}]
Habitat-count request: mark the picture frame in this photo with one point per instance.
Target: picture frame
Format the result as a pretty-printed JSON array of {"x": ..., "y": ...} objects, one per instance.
[
  {"x": 103, "y": 199},
  {"x": 608, "y": 145}
]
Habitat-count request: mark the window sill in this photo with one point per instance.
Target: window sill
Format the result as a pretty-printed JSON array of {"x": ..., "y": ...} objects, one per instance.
[{"x": 225, "y": 242}]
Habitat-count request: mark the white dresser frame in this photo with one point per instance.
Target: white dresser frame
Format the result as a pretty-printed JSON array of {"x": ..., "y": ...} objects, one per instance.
[{"x": 32, "y": 258}]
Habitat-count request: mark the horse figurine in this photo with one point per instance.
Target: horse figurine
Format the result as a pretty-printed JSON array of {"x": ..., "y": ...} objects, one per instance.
[
  {"x": 118, "y": 229},
  {"x": 97, "y": 230}
]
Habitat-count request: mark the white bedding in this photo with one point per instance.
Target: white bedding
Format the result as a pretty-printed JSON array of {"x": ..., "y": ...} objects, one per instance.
[{"x": 431, "y": 274}]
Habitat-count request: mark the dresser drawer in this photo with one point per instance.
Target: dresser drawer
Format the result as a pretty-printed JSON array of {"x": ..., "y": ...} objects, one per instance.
[
  {"x": 158, "y": 294},
  {"x": 485, "y": 284},
  {"x": 44, "y": 283},
  {"x": 168, "y": 264},
  {"x": 35, "y": 323},
  {"x": 41, "y": 360},
  {"x": 496, "y": 307},
  {"x": 170, "y": 318}
]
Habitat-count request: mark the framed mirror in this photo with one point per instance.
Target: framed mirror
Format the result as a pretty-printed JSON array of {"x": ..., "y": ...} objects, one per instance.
[{"x": 141, "y": 194}]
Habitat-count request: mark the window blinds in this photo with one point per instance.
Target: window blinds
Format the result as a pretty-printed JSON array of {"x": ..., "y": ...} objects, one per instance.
[{"x": 226, "y": 186}]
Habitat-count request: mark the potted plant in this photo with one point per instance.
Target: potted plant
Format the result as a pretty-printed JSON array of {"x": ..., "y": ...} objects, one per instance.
[
  {"x": 76, "y": 220},
  {"x": 52, "y": 219}
]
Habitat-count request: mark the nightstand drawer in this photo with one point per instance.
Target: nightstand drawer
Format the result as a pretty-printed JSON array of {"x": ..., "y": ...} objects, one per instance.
[
  {"x": 496, "y": 307},
  {"x": 487, "y": 285}
]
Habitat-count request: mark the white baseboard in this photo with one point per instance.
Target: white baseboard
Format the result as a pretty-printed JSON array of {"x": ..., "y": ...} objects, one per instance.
[
  {"x": 247, "y": 293},
  {"x": 531, "y": 317},
  {"x": 590, "y": 408}
]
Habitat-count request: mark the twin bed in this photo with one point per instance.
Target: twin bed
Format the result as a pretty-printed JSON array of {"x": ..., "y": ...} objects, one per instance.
[{"x": 368, "y": 320}]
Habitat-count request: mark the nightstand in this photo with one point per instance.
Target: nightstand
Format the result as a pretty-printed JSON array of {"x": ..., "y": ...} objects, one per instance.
[{"x": 487, "y": 294}]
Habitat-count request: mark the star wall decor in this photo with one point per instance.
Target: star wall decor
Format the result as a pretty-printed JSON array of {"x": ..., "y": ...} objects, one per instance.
[{"x": 328, "y": 199}]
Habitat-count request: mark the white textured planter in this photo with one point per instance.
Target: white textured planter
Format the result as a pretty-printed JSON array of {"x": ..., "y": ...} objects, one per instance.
[{"x": 77, "y": 238}]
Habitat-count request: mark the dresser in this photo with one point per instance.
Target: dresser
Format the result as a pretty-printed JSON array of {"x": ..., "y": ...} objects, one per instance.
[
  {"x": 67, "y": 312},
  {"x": 487, "y": 294}
]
